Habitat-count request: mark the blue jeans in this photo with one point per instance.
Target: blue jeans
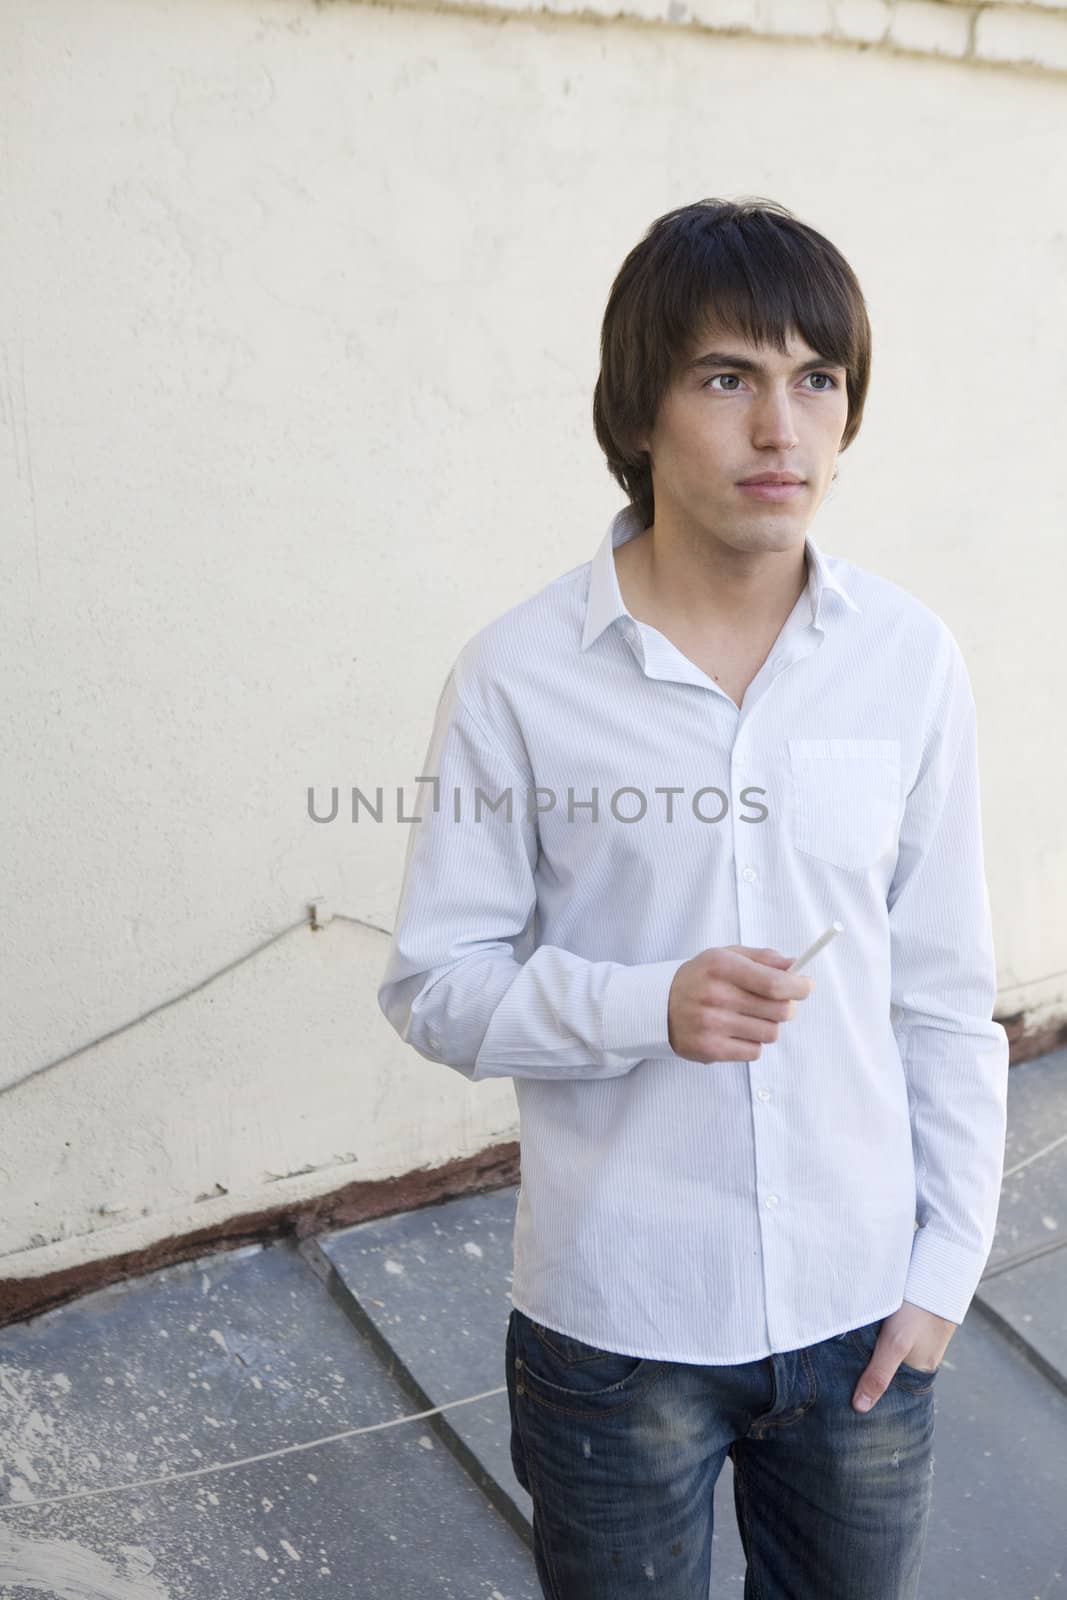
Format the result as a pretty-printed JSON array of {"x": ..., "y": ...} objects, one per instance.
[{"x": 621, "y": 1454}]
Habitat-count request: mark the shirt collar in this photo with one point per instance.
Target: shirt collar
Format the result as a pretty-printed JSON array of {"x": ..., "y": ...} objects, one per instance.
[{"x": 605, "y": 602}]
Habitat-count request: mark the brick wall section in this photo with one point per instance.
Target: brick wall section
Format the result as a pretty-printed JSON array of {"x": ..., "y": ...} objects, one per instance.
[{"x": 1032, "y": 35}]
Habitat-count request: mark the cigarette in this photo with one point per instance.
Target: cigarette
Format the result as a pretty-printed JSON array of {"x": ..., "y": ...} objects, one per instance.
[{"x": 813, "y": 950}]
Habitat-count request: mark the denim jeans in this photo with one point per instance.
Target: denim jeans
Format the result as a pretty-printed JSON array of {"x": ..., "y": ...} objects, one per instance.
[{"x": 620, "y": 1455}]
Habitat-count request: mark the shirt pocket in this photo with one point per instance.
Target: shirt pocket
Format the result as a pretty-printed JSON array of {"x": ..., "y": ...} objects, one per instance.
[{"x": 845, "y": 799}]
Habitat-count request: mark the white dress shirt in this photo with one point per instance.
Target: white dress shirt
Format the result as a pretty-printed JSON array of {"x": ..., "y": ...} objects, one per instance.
[{"x": 684, "y": 1211}]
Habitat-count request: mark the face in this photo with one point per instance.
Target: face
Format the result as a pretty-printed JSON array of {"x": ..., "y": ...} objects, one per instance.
[{"x": 734, "y": 411}]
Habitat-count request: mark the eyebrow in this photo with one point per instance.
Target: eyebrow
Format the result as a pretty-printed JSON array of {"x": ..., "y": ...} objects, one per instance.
[{"x": 725, "y": 358}]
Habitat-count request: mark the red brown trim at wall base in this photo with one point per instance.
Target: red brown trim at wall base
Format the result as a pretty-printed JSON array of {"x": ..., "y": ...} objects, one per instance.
[
  {"x": 1026, "y": 1044},
  {"x": 494, "y": 1168}
]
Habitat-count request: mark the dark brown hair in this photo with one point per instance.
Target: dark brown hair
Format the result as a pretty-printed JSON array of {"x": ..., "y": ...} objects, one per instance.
[{"x": 747, "y": 266}]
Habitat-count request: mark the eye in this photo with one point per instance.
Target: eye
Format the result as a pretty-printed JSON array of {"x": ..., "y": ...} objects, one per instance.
[{"x": 830, "y": 382}]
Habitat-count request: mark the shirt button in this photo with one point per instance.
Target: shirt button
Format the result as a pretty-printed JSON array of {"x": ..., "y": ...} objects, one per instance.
[
  {"x": 772, "y": 1199},
  {"x": 763, "y": 1094},
  {"x": 749, "y": 874}
]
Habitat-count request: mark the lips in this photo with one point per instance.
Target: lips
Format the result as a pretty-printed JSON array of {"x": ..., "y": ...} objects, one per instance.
[
  {"x": 772, "y": 491},
  {"x": 771, "y": 477}
]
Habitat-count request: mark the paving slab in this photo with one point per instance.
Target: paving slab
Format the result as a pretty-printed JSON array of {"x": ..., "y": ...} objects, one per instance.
[
  {"x": 1024, "y": 1286},
  {"x": 998, "y": 1522},
  {"x": 435, "y": 1286},
  {"x": 195, "y": 1369},
  {"x": 1031, "y": 1302},
  {"x": 1033, "y": 1202}
]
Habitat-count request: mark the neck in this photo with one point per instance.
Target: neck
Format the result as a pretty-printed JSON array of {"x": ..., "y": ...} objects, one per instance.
[{"x": 701, "y": 583}]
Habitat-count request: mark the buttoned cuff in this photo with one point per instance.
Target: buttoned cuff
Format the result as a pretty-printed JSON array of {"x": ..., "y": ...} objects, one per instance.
[
  {"x": 942, "y": 1276},
  {"x": 634, "y": 1013}
]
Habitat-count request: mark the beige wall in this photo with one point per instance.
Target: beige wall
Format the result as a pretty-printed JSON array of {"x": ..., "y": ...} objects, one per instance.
[{"x": 298, "y": 336}]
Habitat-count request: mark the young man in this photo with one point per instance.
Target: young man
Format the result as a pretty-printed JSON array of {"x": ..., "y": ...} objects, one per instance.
[{"x": 755, "y": 1204}]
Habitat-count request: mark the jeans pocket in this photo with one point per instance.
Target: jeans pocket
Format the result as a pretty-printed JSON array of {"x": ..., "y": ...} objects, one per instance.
[
  {"x": 846, "y": 801},
  {"x": 559, "y": 1368},
  {"x": 915, "y": 1378}
]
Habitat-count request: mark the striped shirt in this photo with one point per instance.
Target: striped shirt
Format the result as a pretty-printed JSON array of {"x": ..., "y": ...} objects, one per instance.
[{"x": 593, "y": 811}]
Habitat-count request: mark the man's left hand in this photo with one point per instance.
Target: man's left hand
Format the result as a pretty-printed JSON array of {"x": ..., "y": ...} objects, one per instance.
[{"x": 910, "y": 1334}]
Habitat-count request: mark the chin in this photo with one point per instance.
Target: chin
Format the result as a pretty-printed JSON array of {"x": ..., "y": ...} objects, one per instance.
[{"x": 780, "y": 532}]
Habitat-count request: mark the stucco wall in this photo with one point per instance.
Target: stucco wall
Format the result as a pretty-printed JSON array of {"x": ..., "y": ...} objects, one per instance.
[{"x": 298, "y": 336}]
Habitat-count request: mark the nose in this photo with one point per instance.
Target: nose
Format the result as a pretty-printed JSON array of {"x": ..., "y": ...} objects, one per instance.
[{"x": 772, "y": 422}]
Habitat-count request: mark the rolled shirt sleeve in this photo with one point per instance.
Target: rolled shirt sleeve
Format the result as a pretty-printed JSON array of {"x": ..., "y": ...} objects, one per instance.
[
  {"x": 943, "y": 990},
  {"x": 454, "y": 986}
]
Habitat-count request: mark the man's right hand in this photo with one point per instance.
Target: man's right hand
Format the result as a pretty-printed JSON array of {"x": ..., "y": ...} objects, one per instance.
[{"x": 727, "y": 1002}]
